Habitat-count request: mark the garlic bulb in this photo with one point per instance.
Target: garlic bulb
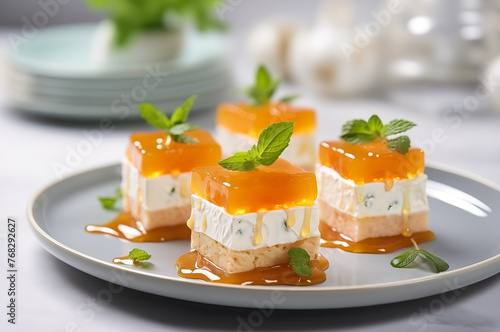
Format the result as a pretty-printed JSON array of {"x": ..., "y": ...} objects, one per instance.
[
  {"x": 268, "y": 43},
  {"x": 328, "y": 57}
]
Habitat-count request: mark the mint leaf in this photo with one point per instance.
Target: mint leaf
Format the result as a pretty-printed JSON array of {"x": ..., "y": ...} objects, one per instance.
[
  {"x": 264, "y": 88},
  {"x": 131, "y": 17},
  {"x": 109, "y": 202},
  {"x": 289, "y": 99},
  {"x": 241, "y": 161},
  {"x": 181, "y": 114},
  {"x": 359, "y": 131},
  {"x": 398, "y": 126},
  {"x": 409, "y": 256},
  {"x": 400, "y": 144},
  {"x": 439, "y": 264},
  {"x": 180, "y": 129},
  {"x": 184, "y": 139},
  {"x": 176, "y": 126},
  {"x": 263, "y": 78},
  {"x": 154, "y": 116},
  {"x": 272, "y": 142},
  {"x": 375, "y": 125},
  {"x": 405, "y": 258},
  {"x": 138, "y": 255},
  {"x": 299, "y": 260}
]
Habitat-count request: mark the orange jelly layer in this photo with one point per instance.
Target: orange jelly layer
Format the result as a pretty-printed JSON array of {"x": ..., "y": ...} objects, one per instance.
[
  {"x": 279, "y": 186},
  {"x": 371, "y": 162},
  {"x": 251, "y": 120},
  {"x": 193, "y": 265},
  {"x": 155, "y": 153}
]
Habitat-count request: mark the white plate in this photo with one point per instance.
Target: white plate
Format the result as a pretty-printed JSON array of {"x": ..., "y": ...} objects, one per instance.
[
  {"x": 120, "y": 110},
  {"x": 464, "y": 215},
  {"x": 64, "y": 52}
]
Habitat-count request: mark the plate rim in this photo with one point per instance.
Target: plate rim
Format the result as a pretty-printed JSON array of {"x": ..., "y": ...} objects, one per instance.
[{"x": 298, "y": 290}]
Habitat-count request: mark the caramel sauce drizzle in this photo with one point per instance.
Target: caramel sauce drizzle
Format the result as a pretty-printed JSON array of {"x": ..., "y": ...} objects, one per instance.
[
  {"x": 204, "y": 223},
  {"x": 290, "y": 218},
  {"x": 193, "y": 265},
  {"x": 306, "y": 224},
  {"x": 126, "y": 227},
  {"x": 258, "y": 238},
  {"x": 333, "y": 239},
  {"x": 190, "y": 221}
]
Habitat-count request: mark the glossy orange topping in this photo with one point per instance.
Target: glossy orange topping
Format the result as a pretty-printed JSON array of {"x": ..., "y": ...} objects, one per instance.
[
  {"x": 251, "y": 120},
  {"x": 371, "y": 162},
  {"x": 279, "y": 186},
  {"x": 155, "y": 153}
]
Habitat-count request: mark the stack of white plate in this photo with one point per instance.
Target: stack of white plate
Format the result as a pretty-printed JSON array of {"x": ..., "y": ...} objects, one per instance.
[{"x": 52, "y": 75}]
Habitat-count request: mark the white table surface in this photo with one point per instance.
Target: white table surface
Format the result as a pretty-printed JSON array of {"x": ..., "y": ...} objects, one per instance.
[{"x": 54, "y": 296}]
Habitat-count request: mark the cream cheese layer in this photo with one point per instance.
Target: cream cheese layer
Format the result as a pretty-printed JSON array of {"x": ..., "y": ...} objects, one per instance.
[
  {"x": 253, "y": 230},
  {"x": 156, "y": 193},
  {"x": 301, "y": 150},
  {"x": 371, "y": 199}
]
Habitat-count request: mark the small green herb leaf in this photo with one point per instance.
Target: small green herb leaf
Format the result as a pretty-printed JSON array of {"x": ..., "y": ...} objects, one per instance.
[
  {"x": 264, "y": 88},
  {"x": 439, "y": 264},
  {"x": 180, "y": 129},
  {"x": 109, "y": 202},
  {"x": 360, "y": 131},
  {"x": 181, "y": 114},
  {"x": 154, "y": 116},
  {"x": 299, "y": 260},
  {"x": 400, "y": 144},
  {"x": 272, "y": 142},
  {"x": 289, "y": 99},
  {"x": 409, "y": 256},
  {"x": 397, "y": 126},
  {"x": 176, "y": 126},
  {"x": 138, "y": 255}
]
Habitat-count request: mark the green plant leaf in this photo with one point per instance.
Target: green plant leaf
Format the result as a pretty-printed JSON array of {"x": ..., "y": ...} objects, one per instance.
[
  {"x": 409, "y": 256},
  {"x": 299, "y": 260},
  {"x": 405, "y": 258},
  {"x": 397, "y": 126},
  {"x": 359, "y": 131},
  {"x": 264, "y": 87},
  {"x": 439, "y": 264},
  {"x": 400, "y": 144},
  {"x": 177, "y": 126},
  {"x": 182, "y": 128},
  {"x": 289, "y": 99},
  {"x": 109, "y": 202},
  {"x": 181, "y": 114},
  {"x": 154, "y": 116},
  {"x": 138, "y": 255},
  {"x": 272, "y": 142}
]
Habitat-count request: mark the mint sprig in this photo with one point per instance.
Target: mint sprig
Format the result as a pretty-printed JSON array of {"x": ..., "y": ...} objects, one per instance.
[
  {"x": 131, "y": 16},
  {"x": 138, "y": 255},
  {"x": 359, "y": 131},
  {"x": 272, "y": 142},
  {"x": 109, "y": 202},
  {"x": 409, "y": 256},
  {"x": 264, "y": 88},
  {"x": 176, "y": 126},
  {"x": 299, "y": 260}
]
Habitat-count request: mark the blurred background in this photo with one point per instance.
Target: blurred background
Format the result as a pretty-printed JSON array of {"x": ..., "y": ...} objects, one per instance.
[{"x": 435, "y": 62}]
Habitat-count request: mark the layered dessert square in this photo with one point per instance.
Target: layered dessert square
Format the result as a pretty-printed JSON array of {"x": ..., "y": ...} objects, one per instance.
[
  {"x": 243, "y": 221},
  {"x": 238, "y": 126},
  {"x": 156, "y": 175},
  {"x": 368, "y": 192}
]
